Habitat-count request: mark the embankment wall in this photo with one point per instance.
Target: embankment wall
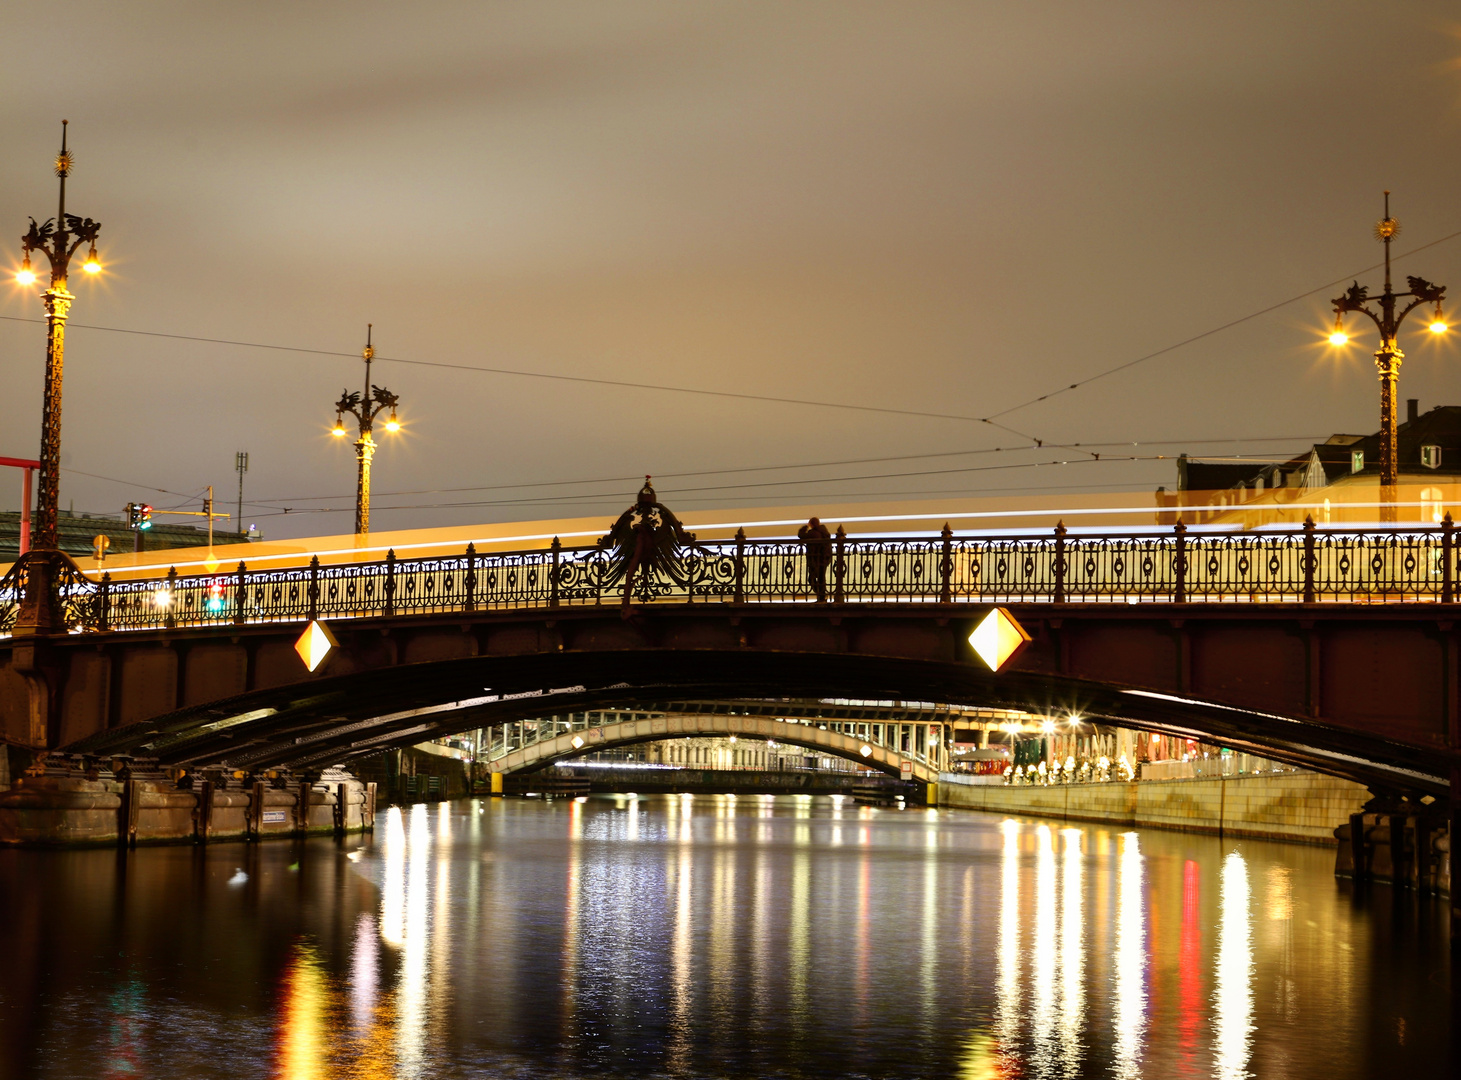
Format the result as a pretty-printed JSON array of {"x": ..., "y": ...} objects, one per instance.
[{"x": 1300, "y": 806}]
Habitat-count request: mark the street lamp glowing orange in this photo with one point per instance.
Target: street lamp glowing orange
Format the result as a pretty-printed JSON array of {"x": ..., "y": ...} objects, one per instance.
[
  {"x": 1339, "y": 337},
  {"x": 339, "y": 429},
  {"x": 1387, "y": 311},
  {"x": 92, "y": 265},
  {"x": 25, "y": 275},
  {"x": 365, "y": 405}
]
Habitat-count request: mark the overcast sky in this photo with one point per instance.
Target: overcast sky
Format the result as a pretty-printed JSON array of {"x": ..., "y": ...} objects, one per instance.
[{"x": 939, "y": 208}]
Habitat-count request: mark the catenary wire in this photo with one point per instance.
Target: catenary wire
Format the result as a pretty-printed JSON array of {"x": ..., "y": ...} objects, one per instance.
[
  {"x": 1215, "y": 330},
  {"x": 782, "y": 468},
  {"x": 991, "y": 419}
]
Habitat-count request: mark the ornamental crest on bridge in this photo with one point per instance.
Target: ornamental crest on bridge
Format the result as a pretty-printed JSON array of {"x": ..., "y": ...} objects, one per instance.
[{"x": 647, "y": 540}]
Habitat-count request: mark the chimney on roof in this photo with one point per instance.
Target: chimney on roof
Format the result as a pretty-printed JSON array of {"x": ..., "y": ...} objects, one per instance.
[{"x": 1412, "y": 410}]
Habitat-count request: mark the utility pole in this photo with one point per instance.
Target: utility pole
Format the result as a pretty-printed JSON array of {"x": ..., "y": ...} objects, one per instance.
[
  {"x": 241, "y": 463},
  {"x": 206, "y": 512}
]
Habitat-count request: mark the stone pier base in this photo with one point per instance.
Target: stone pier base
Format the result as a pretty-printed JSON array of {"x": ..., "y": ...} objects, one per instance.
[
  {"x": 1407, "y": 850},
  {"x": 69, "y": 810}
]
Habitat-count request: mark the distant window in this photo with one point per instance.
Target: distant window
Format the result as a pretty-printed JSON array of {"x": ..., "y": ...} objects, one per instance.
[
  {"x": 1357, "y": 461},
  {"x": 1430, "y": 457}
]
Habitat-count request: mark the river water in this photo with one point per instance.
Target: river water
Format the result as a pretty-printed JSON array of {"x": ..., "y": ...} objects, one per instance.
[{"x": 716, "y": 936}]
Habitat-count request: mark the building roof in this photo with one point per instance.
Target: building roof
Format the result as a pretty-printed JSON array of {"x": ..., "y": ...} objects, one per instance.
[
  {"x": 75, "y": 533},
  {"x": 1336, "y": 456}
]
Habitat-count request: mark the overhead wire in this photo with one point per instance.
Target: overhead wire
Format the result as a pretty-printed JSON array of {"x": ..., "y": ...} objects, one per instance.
[
  {"x": 991, "y": 419},
  {"x": 800, "y": 465},
  {"x": 1215, "y": 330},
  {"x": 709, "y": 490},
  {"x": 586, "y": 379},
  {"x": 273, "y": 504}
]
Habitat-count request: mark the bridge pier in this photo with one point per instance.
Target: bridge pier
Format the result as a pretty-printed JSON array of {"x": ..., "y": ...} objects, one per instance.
[
  {"x": 1399, "y": 842},
  {"x": 78, "y": 803},
  {"x": 1450, "y": 841}
]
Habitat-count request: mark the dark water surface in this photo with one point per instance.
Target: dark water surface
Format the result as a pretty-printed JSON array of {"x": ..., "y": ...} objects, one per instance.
[{"x": 716, "y": 936}]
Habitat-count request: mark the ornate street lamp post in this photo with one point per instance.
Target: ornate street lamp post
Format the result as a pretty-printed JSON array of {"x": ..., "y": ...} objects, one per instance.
[
  {"x": 58, "y": 240},
  {"x": 365, "y": 407},
  {"x": 1388, "y": 356}
]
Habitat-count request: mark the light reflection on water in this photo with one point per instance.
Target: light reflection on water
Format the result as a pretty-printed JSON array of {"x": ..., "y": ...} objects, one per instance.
[
  {"x": 711, "y": 936},
  {"x": 1130, "y": 1019},
  {"x": 1233, "y": 996}
]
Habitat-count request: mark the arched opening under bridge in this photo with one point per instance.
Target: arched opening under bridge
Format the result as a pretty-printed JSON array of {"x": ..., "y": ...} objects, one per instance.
[
  {"x": 338, "y": 719},
  {"x": 567, "y": 741}
]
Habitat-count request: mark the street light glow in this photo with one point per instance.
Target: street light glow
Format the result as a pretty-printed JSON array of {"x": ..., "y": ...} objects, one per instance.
[
  {"x": 92, "y": 265},
  {"x": 1339, "y": 337},
  {"x": 25, "y": 275},
  {"x": 392, "y": 424},
  {"x": 1438, "y": 326}
]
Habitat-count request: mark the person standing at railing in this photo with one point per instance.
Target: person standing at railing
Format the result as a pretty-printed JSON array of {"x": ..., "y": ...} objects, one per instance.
[{"x": 819, "y": 555}]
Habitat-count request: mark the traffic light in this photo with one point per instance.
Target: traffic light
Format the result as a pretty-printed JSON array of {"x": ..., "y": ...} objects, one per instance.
[
  {"x": 144, "y": 517},
  {"x": 132, "y": 516},
  {"x": 216, "y": 599}
]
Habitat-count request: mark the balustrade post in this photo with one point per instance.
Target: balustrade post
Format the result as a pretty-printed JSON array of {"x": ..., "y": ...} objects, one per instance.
[
  {"x": 104, "y": 603},
  {"x": 1448, "y": 548},
  {"x": 239, "y": 592},
  {"x": 170, "y": 620},
  {"x": 1060, "y": 562},
  {"x": 557, "y": 550},
  {"x": 470, "y": 604},
  {"x": 839, "y": 569},
  {"x": 740, "y": 595},
  {"x": 1309, "y": 559},
  {"x": 1179, "y": 566},
  {"x": 390, "y": 583},
  {"x": 946, "y": 566},
  {"x": 313, "y": 592}
]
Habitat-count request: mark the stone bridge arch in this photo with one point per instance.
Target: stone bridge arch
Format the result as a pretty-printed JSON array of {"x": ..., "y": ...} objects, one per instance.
[{"x": 809, "y": 735}]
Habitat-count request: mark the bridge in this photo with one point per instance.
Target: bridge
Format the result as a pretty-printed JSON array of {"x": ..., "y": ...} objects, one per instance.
[
  {"x": 908, "y": 740},
  {"x": 1329, "y": 648}
]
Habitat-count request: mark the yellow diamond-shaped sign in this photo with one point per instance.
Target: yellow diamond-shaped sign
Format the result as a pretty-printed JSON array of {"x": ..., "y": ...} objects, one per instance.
[
  {"x": 998, "y": 638},
  {"x": 315, "y": 644}
]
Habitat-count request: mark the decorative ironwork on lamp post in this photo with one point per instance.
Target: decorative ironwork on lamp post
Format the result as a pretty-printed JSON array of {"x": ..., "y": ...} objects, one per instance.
[
  {"x": 1388, "y": 356},
  {"x": 58, "y": 239},
  {"x": 365, "y": 407}
]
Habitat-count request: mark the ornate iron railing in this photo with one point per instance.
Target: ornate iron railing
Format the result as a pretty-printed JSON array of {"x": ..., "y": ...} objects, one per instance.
[
  {"x": 1306, "y": 565},
  {"x": 73, "y": 595}
]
